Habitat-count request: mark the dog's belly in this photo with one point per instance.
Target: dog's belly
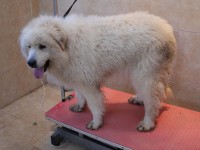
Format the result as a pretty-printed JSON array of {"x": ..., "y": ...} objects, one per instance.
[{"x": 119, "y": 80}]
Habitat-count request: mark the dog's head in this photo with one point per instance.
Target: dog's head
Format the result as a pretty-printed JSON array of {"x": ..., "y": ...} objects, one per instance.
[{"x": 42, "y": 41}]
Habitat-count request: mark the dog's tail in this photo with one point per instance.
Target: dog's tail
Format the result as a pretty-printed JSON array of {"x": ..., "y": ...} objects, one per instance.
[{"x": 165, "y": 92}]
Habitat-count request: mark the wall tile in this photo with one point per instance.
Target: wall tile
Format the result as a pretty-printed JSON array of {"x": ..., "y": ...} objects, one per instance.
[
  {"x": 64, "y": 5},
  {"x": 187, "y": 67},
  {"x": 10, "y": 9},
  {"x": 98, "y": 7},
  {"x": 9, "y": 34},
  {"x": 106, "y": 7},
  {"x": 136, "y": 5},
  {"x": 167, "y": 10},
  {"x": 127, "y": 6},
  {"x": 46, "y": 7},
  {"x": 15, "y": 79},
  {"x": 185, "y": 79},
  {"x": 190, "y": 15},
  {"x": 15, "y": 83},
  {"x": 186, "y": 96},
  {"x": 35, "y": 5}
]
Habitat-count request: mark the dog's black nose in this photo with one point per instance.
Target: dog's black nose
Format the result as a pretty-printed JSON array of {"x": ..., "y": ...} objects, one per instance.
[{"x": 32, "y": 63}]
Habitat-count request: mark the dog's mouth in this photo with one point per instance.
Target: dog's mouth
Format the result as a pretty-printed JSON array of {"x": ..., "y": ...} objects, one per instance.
[{"x": 39, "y": 72}]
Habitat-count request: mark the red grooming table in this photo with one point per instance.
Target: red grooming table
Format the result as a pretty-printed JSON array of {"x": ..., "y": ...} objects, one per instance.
[{"x": 177, "y": 128}]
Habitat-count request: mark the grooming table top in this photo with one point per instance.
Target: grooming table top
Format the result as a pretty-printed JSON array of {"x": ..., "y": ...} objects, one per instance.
[{"x": 177, "y": 128}]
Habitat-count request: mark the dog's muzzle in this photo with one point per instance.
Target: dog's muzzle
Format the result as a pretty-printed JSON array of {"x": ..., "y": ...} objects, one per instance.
[{"x": 38, "y": 71}]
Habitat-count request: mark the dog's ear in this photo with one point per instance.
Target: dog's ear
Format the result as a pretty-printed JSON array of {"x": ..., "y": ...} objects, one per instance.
[
  {"x": 22, "y": 42},
  {"x": 59, "y": 36}
]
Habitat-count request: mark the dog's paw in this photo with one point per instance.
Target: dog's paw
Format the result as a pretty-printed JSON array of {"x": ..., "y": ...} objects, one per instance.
[
  {"x": 145, "y": 126},
  {"x": 135, "y": 101},
  {"x": 76, "y": 108},
  {"x": 93, "y": 126}
]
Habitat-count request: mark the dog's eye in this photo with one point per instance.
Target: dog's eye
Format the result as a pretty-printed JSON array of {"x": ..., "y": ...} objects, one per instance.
[
  {"x": 29, "y": 46},
  {"x": 42, "y": 46}
]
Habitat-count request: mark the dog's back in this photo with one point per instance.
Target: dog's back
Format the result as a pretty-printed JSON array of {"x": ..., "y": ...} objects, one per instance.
[{"x": 134, "y": 40}]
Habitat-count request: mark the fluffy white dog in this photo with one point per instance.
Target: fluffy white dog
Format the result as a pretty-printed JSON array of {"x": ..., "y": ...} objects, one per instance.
[{"x": 83, "y": 52}]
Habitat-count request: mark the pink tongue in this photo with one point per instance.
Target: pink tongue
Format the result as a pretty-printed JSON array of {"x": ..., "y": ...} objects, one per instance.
[{"x": 39, "y": 72}]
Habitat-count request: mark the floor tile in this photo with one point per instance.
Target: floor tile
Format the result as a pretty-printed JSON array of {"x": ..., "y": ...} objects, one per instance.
[
  {"x": 18, "y": 136},
  {"x": 5, "y": 119},
  {"x": 23, "y": 125}
]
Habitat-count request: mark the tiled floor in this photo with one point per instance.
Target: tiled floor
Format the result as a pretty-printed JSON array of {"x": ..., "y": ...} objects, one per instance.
[{"x": 23, "y": 125}]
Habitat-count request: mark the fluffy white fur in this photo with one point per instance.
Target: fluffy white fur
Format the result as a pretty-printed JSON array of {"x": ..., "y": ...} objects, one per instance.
[{"x": 85, "y": 51}]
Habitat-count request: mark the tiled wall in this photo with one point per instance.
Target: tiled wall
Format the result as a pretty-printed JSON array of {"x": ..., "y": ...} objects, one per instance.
[
  {"x": 183, "y": 15},
  {"x": 15, "y": 78}
]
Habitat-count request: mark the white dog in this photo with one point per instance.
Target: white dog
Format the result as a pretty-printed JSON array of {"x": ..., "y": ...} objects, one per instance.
[{"x": 82, "y": 52}]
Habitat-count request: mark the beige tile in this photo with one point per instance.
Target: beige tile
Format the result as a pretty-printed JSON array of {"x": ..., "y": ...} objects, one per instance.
[
  {"x": 15, "y": 83},
  {"x": 23, "y": 126},
  {"x": 136, "y": 5},
  {"x": 36, "y": 118},
  {"x": 14, "y": 9},
  {"x": 98, "y": 8},
  {"x": 190, "y": 15},
  {"x": 165, "y": 9},
  {"x": 5, "y": 119},
  {"x": 35, "y": 5},
  {"x": 187, "y": 68},
  {"x": 78, "y": 8},
  {"x": 44, "y": 144},
  {"x": 2, "y": 112},
  {"x": 185, "y": 79},
  {"x": 9, "y": 34},
  {"x": 14, "y": 70},
  {"x": 19, "y": 135},
  {"x": 125, "y": 6},
  {"x": 168, "y": 10},
  {"x": 106, "y": 7},
  {"x": 34, "y": 123},
  {"x": 44, "y": 98},
  {"x": 19, "y": 106},
  {"x": 35, "y": 100},
  {"x": 46, "y": 7},
  {"x": 186, "y": 96}
]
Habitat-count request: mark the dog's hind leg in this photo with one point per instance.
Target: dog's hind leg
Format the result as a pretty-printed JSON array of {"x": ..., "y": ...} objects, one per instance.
[
  {"x": 151, "y": 91},
  {"x": 79, "y": 106},
  {"x": 136, "y": 100},
  {"x": 95, "y": 101},
  {"x": 151, "y": 98}
]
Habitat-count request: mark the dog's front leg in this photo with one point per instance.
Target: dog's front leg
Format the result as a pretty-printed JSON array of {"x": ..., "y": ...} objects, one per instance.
[
  {"x": 79, "y": 106},
  {"x": 95, "y": 101}
]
